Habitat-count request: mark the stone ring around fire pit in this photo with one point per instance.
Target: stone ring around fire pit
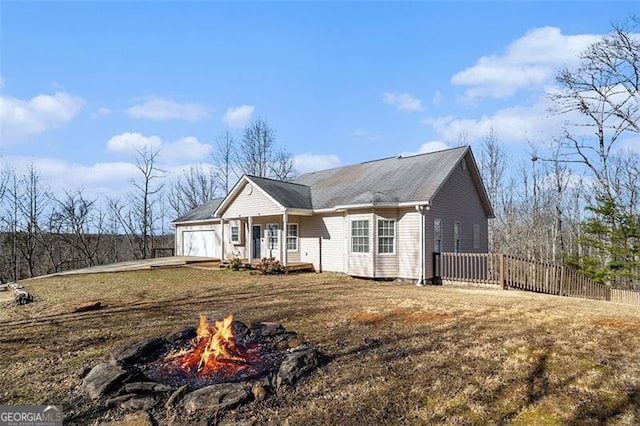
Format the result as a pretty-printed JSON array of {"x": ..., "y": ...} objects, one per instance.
[{"x": 199, "y": 372}]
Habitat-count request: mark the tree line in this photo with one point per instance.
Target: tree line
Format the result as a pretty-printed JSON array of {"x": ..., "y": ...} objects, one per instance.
[
  {"x": 576, "y": 201},
  {"x": 44, "y": 232}
]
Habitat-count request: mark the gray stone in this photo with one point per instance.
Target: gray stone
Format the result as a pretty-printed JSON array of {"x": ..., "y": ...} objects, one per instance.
[
  {"x": 117, "y": 400},
  {"x": 214, "y": 398},
  {"x": 147, "y": 387},
  {"x": 296, "y": 364},
  {"x": 103, "y": 378},
  {"x": 138, "y": 403},
  {"x": 176, "y": 397},
  {"x": 133, "y": 350},
  {"x": 267, "y": 328}
]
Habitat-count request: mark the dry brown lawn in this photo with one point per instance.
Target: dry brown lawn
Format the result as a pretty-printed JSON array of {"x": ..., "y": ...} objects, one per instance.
[{"x": 432, "y": 355}]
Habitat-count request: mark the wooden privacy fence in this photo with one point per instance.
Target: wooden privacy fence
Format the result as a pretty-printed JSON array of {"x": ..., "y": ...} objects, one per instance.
[{"x": 523, "y": 274}]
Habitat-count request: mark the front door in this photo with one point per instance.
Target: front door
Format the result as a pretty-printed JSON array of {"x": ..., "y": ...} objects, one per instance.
[{"x": 256, "y": 234}]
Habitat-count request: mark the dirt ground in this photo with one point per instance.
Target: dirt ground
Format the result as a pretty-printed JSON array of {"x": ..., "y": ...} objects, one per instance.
[{"x": 398, "y": 354}]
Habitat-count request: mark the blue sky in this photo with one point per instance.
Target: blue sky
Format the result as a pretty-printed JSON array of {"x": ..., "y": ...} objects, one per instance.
[{"x": 83, "y": 84}]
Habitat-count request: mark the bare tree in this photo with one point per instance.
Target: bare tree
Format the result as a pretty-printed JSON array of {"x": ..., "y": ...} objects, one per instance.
[
  {"x": 259, "y": 155},
  {"x": 603, "y": 90},
  {"x": 138, "y": 219},
  {"x": 195, "y": 186},
  {"x": 225, "y": 159},
  {"x": 492, "y": 168},
  {"x": 32, "y": 198}
]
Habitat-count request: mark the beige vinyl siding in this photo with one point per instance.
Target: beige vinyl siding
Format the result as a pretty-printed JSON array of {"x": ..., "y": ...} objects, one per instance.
[
  {"x": 321, "y": 241},
  {"x": 360, "y": 264},
  {"x": 408, "y": 244},
  {"x": 238, "y": 249},
  {"x": 254, "y": 204},
  {"x": 211, "y": 226},
  {"x": 457, "y": 201},
  {"x": 386, "y": 264}
]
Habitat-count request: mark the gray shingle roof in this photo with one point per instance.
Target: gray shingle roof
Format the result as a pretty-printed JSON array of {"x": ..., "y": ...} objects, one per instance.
[
  {"x": 288, "y": 194},
  {"x": 202, "y": 212},
  {"x": 395, "y": 179}
]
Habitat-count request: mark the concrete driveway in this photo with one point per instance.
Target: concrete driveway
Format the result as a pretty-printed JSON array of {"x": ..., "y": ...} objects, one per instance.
[{"x": 133, "y": 265}]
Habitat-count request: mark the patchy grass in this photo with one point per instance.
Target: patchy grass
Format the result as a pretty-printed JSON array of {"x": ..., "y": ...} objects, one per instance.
[{"x": 399, "y": 354}]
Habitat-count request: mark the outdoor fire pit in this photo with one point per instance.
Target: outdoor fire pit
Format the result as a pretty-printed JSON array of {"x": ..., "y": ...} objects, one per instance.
[{"x": 199, "y": 372}]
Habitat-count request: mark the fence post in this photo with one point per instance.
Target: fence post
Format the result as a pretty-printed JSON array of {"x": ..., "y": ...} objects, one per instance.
[{"x": 562, "y": 279}]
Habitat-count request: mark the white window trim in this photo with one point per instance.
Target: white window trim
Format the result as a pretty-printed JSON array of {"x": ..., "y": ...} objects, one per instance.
[
  {"x": 297, "y": 237},
  {"x": 276, "y": 236},
  {"x": 378, "y": 236},
  {"x": 239, "y": 239},
  {"x": 352, "y": 236}
]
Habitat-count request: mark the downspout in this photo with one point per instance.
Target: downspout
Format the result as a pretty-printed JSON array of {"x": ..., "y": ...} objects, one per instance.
[{"x": 422, "y": 209}]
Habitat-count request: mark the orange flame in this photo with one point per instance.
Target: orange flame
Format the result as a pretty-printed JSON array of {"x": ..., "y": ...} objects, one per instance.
[{"x": 215, "y": 346}]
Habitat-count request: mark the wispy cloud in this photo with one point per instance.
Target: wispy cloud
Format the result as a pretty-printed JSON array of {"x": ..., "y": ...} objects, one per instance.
[
  {"x": 164, "y": 109},
  {"x": 20, "y": 119},
  {"x": 402, "y": 101},
  {"x": 100, "y": 112},
  {"x": 306, "y": 163},
  {"x": 238, "y": 116},
  {"x": 528, "y": 62},
  {"x": 426, "y": 147},
  {"x": 365, "y": 134}
]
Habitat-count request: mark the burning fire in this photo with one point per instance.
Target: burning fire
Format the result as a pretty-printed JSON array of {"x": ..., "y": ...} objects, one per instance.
[{"x": 214, "y": 348}]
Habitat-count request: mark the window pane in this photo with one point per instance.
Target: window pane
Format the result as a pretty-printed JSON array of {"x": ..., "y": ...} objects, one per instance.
[
  {"x": 292, "y": 236},
  {"x": 437, "y": 235},
  {"x": 272, "y": 236},
  {"x": 360, "y": 236},
  {"x": 386, "y": 236},
  {"x": 235, "y": 234}
]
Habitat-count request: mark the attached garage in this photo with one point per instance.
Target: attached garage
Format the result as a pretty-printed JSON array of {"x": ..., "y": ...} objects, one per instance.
[{"x": 198, "y": 243}]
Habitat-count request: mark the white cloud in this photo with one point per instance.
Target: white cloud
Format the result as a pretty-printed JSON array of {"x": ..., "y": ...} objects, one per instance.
[
  {"x": 20, "y": 119},
  {"x": 129, "y": 142},
  {"x": 185, "y": 149},
  {"x": 426, "y": 147},
  {"x": 100, "y": 112},
  {"x": 529, "y": 62},
  {"x": 238, "y": 116},
  {"x": 365, "y": 134},
  {"x": 513, "y": 125},
  {"x": 402, "y": 101},
  {"x": 306, "y": 163},
  {"x": 163, "y": 109},
  {"x": 188, "y": 148},
  {"x": 111, "y": 179}
]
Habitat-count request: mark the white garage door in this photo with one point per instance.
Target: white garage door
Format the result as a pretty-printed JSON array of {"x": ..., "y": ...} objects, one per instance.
[{"x": 198, "y": 243}]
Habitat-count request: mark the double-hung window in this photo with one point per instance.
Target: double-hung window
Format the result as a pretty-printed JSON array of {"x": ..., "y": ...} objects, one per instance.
[
  {"x": 292, "y": 236},
  {"x": 360, "y": 236},
  {"x": 437, "y": 235},
  {"x": 386, "y": 236},
  {"x": 235, "y": 234},
  {"x": 272, "y": 236},
  {"x": 456, "y": 237}
]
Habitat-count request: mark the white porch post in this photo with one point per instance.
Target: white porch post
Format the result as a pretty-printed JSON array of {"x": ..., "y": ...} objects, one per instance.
[
  {"x": 284, "y": 240},
  {"x": 222, "y": 240},
  {"x": 250, "y": 240}
]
